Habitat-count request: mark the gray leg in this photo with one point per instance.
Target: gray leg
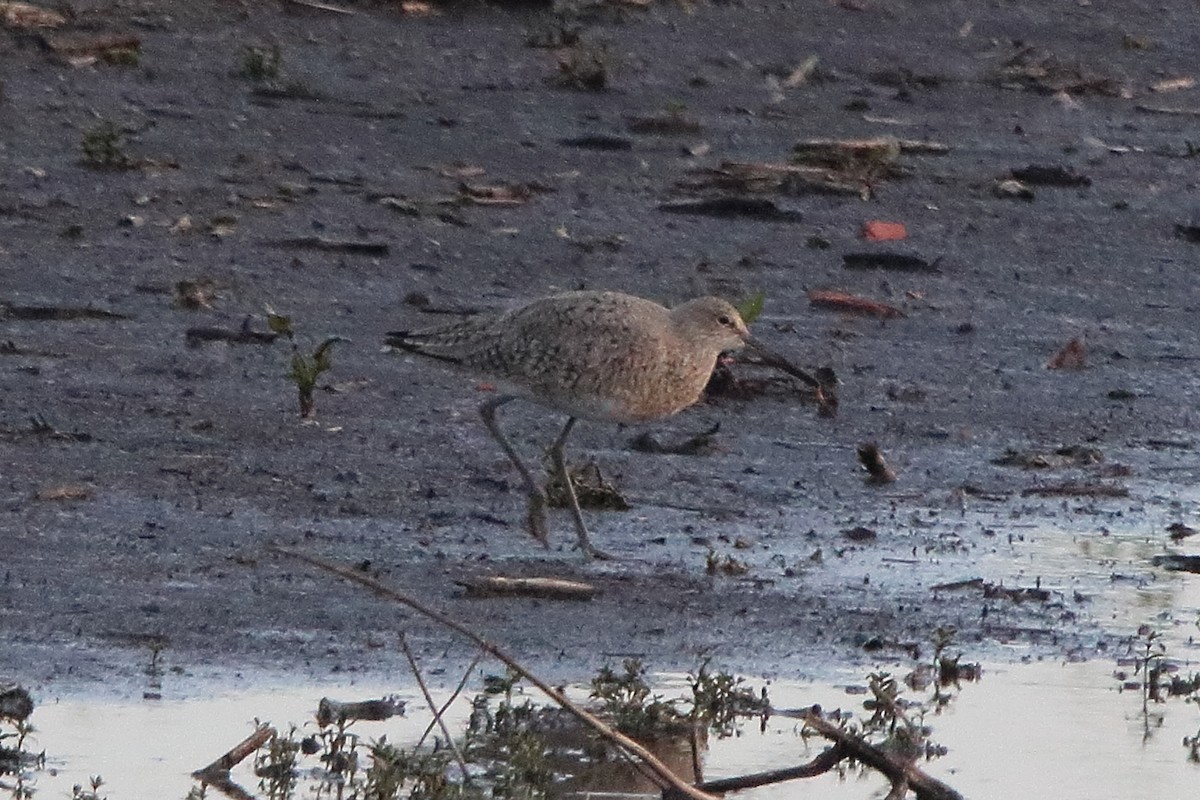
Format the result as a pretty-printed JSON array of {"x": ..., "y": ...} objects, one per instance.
[
  {"x": 535, "y": 520},
  {"x": 560, "y": 467}
]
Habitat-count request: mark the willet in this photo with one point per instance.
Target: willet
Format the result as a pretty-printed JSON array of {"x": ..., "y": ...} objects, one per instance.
[{"x": 601, "y": 356}]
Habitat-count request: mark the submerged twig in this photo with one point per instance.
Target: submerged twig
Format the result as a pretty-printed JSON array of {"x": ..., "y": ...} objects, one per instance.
[
  {"x": 661, "y": 773},
  {"x": 453, "y": 696},
  {"x": 416, "y": 671}
]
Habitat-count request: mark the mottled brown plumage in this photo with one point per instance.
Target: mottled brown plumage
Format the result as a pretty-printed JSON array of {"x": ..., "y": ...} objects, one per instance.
[{"x": 602, "y": 356}]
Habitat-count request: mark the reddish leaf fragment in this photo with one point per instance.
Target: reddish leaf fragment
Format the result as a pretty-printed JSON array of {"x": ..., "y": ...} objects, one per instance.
[
  {"x": 1072, "y": 356},
  {"x": 852, "y": 304},
  {"x": 877, "y": 230}
]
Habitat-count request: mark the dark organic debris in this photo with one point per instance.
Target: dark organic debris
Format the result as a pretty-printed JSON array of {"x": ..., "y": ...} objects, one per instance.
[
  {"x": 598, "y": 141},
  {"x": 872, "y": 460},
  {"x": 331, "y": 245},
  {"x": 761, "y": 177},
  {"x": 332, "y": 712},
  {"x": 1068, "y": 456},
  {"x": 669, "y": 124},
  {"x": 701, "y": 444},
  {"x": 1189, "y": 232},
  {"x": 546, "y": 588},
  {"x": 1050, "y": 175},
  {"x": 592, "y": 491},
  {"x": 860, "y": 534},
  {"x": 1179, "y": 531},
  {"x": 900, "y": 262},
  {"x": 1177, "y": 563},
  {"x": 734, "y": 206},
  {"x": 243, "y": 335},
  {"x": 1035, "y": 70},
  {"x": 994, "y": 591},
  {"x": 56, "y": 313},
  {"x": 852, "y": 304},
  {"x": 1070, "y": 489}
]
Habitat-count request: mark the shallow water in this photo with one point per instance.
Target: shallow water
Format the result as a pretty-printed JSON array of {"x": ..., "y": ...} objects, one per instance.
[{"x": 1021, "y": 731}]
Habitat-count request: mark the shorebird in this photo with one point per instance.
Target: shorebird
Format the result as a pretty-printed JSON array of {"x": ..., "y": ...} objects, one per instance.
[{"x": 602, "y": 356}]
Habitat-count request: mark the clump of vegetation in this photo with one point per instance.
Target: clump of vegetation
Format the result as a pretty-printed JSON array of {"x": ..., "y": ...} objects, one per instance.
[
  {"x": 260, "y": 63},
  {"x": 275, "y": 765},
  {"x": 720, "y": 700},
  {"x": 582, "y": 66},
  {"x": 627, "y": 701},
  {"x": 104, "y": 148},
  {"x": 306, "y": 368}
]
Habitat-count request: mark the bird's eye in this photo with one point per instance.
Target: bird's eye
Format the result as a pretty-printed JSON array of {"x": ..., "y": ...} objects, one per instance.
[{"x": 724, "y": 320}]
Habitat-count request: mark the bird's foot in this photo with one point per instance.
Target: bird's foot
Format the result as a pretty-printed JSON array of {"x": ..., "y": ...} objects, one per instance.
[{"x": 591, "y": 551}]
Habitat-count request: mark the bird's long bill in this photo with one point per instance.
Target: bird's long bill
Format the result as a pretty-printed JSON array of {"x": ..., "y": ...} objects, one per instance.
[{"x": 773, "y": 359}]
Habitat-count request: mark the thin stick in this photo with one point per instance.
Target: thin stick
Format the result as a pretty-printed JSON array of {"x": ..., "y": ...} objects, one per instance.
[
  {"x": 457, "y": 691},
  {"x": 416, "y": 671},
  {"x": 663, "y": 775}
]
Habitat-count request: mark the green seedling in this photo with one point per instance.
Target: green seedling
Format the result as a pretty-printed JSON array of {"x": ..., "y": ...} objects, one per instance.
[
  {"x": 306, "y": 368},
  {"x": 752, "y": 307}
]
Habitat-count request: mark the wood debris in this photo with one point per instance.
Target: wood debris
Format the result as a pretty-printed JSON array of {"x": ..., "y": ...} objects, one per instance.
[
  {"x": 852, "y": 304},
  {"x": 334, "y": 712},
  {"x": 545, "y": 588},
  {"x": 1012, "y": 189},
  {"x": 1173, "y": 84},
  {"x": 66, "y": 491},
  {"x": 84, "y": 49},
  {"x": 23, "y": 16},
  {"x": 872, "y": 460},
  {"x": 500, "y": 194}
]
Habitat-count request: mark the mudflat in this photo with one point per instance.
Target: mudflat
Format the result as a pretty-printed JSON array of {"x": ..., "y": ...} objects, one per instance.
[{"x": 388, "y": 166}]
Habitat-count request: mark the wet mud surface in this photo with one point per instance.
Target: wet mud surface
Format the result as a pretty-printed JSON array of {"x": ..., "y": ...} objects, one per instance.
[{"x": 145, "y": 471}]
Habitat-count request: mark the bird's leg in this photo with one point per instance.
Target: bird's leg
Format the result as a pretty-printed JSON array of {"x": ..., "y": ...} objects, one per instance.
[
  {"x": 535, "y": 520},
  {"x": 560, "y": 467}
]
